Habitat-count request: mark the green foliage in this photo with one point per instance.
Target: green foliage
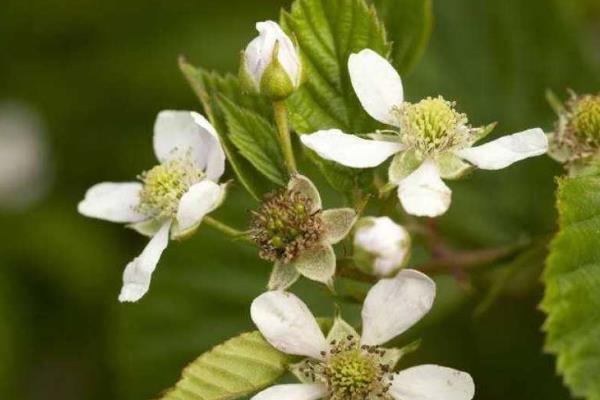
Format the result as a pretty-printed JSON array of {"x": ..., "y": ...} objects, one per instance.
[
  {"x": 572, "y": 278},
  {"x": 236, "y": 368},
  {"x": 211, "y": 88},
  {"x": 408, "y": 23},
  {"x": 327, "y": 32},
  {"x": 255, "y": 138}
]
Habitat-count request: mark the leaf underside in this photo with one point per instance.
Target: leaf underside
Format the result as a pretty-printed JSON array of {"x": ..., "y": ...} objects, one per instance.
[
  {"x": 572, "y": 279},
  {"x": 236, "y": 368},
  {"x": 327, "y": 32},
  {"x": 211, "y": 87}
]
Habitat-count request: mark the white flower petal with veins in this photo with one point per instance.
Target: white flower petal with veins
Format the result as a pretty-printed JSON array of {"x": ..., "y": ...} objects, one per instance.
[
  {"x": 138, "y": 273},
  {"x": 394, "y": 305},
  {"x": 502, "y": 152},
  {"x": 200, "y": 199},
  {"x": 423, "y": 193},
  {"x": 111, "y": 201},
  {"x": 350, "y": 150},
  {"x": 432, "y": 382},
  {"x": 180, "y": 134},
  {"x": 299, "y": 391},
  {"x": 377, "y": 85},
  {"x": 287, "y": 323}
]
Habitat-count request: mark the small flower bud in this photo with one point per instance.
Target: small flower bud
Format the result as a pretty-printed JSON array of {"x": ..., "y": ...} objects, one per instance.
[
  {"x": 381, "y": 247},
  {"x": 271, "y": 64}
]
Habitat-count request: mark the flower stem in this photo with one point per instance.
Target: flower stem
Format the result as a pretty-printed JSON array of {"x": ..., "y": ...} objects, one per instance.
[
  {"x": 283, "y": 133},
  {"x": 226, "y": 229}
]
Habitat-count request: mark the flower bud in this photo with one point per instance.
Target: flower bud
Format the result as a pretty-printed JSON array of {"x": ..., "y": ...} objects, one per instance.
[
  {"x": 271, "y": 63},
  {"x": 381, "y": 247}
]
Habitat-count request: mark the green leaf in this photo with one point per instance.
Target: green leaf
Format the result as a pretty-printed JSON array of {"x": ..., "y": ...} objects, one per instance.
[
  {"x": 236, "y": 368},
  {"x": 256, "y": 140},
  {"x": 208, "y": 86},
  {"x": 327, "y": 32},
  {"x": 572, "y": 279},
  {"x": 409, "y": 24}
]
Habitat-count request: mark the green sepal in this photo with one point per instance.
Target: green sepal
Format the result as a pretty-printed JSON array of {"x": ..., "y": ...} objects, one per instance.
[
  {"x": 147, "y": 228},
  {"x": 481, "y": 132},
  {"x": 341, "y": 330},
  {"x": 393, "y": 356},
  {"x": 337, "y": 223},
  {"x": 283, "y": 276},
  {"x": 403, "y": 164},
  {"x": 275, "y": 83},
  {"x": 247, "y": 83},
  {"x": 451, "y": 166}
]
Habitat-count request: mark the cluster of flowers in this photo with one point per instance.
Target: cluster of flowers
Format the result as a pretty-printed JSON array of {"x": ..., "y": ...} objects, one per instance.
[{"x": 428, "y": 141}]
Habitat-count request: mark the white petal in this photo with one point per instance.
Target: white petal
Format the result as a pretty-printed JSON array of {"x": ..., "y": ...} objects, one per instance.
[
  {"x": 501, "y": 153},
  {"x": 182, "y": 133},
  {"x": 115, "y": 202},
  {"x": 138, "y": 273},
  {"x": 423, "y": 193},
  {"x": 298, "y": 391},
  {"x": 350, "y": 150},
  {"x": 394, "y": 305},
  {"x": 200, "y": 199},
  {"x": 432, "y": 382},
  {"x": 377, "y": 85},
  {"x": 287, "y": 323}
]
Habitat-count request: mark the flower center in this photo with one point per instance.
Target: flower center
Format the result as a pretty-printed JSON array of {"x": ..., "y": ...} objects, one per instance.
[
  {"x": 432, "y": 125},
  {"x": 586, "y": 118},
  {"x": 284, "y": 226},
  {"x": 165, "y": 184},
  {"x": 351, "y": 371}
]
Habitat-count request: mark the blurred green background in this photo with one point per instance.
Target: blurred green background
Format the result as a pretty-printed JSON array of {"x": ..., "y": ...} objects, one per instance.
[{"x": 93, "y": 74}]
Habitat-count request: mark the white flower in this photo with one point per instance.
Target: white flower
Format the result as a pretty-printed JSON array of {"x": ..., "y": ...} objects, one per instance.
[
  {"x": 381, "y": 246},
  {"x": 172, "y": 198},
  {"x": 272, "y": 48},
  {"x": 346, "y": 366},
  {"x": 433, "y": 140},
  {"x": 25, "y": 167}
]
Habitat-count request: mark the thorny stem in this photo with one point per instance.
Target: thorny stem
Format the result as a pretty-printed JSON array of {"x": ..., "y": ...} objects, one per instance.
[
  {"x": 283, "y": 133},
  {"x": 226, "y": 229}
]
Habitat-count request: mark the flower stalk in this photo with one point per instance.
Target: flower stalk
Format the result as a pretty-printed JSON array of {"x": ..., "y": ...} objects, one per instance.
[
  {"x": 283, "y": 135},
  {"x": 226, "y": 229}
]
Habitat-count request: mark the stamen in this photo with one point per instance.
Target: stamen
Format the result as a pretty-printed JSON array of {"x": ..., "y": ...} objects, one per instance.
[
  {"x": 165, "y": 184},
  {"x": 283, "y": 226}
]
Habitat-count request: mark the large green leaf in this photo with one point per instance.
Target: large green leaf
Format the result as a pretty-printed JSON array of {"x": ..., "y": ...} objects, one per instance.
[
  {"x": 328, "y": 31},
  {"x": 236, "y": 368},
  {"x": 408, "y": 23},
  {"x": 255, "y": 138},
  {"x": 208, "y": 86},
  {"x": 572, "y": 278}
]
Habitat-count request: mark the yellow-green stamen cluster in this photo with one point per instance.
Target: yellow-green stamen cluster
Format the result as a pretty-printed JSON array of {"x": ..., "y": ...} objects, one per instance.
[
  {"x": 432, "y": 125},
  {"x": 165, "y": 184},
  {"x": 578, "y": 128},
  {"x": 284, "y": 226},
  {"x": 585, "y": 120},
  {"x": 351, "y": 371}
]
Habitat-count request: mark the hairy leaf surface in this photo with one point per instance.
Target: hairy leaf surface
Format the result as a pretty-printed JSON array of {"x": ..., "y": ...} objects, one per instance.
[
  {"x": 572, "y": 279},
  {"x": 236, "y": 368}
]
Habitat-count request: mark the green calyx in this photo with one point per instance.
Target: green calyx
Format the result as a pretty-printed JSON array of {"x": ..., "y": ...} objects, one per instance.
[
  {"x": 432, "y": 125},
  {"x": 275, "y": 83},
  {"x": 165, "y": 184},
  {"x": 284, "y": 226}
]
